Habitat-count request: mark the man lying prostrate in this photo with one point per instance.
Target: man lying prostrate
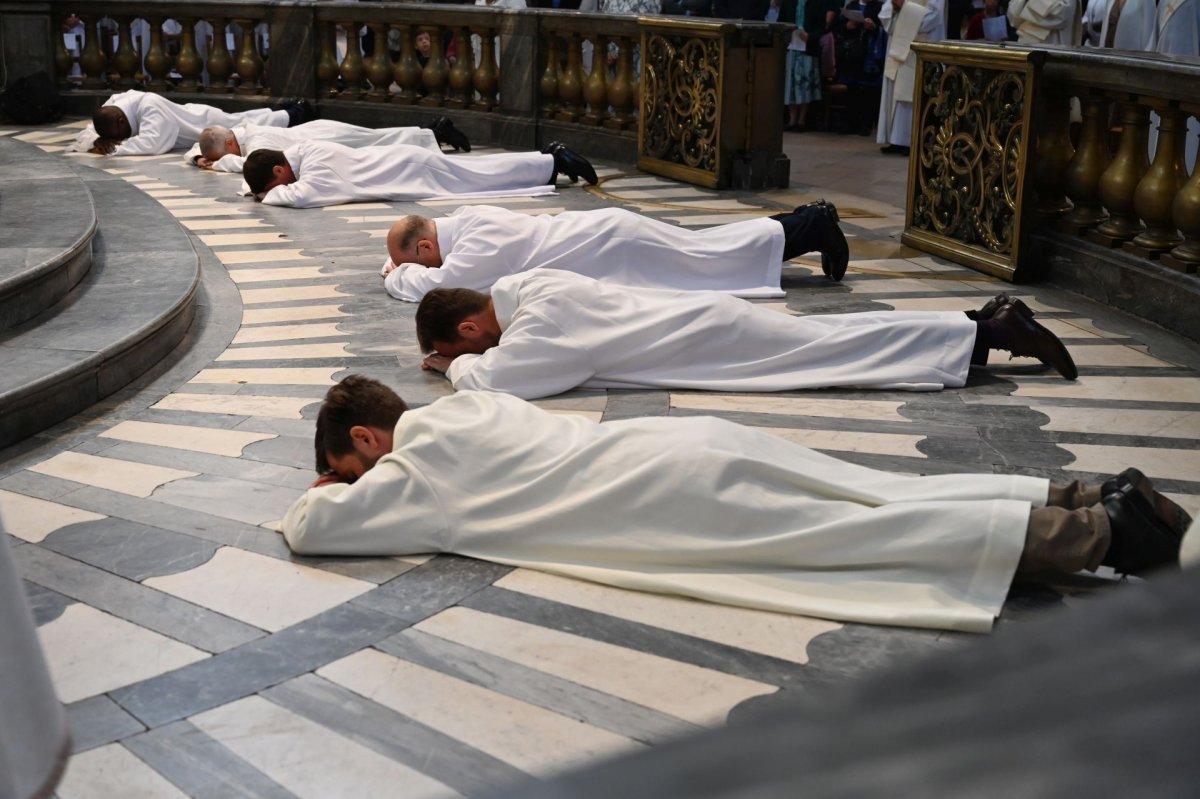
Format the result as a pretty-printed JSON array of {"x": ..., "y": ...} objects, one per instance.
[
  {"x": 316, "y": 173},
  {"x": 476, "y": 245},
  {"x": 547, "y": 331},
  {"x": 224, "y": 149},
  {"x": 705, "y": 508},
  {"x": 144, "y": 123}
]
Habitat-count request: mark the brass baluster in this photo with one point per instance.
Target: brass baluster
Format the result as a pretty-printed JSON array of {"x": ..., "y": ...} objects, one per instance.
[
  {"x": 1120, "y": 180},
  {"x": 327, "y": 64},
  {"x": 548, "y": 85},
  {"x": 1155, "y": 192},
  {"x": 62, "y": 59},
  {"x": 1052, "y": 156},
  {"x": 407, "y": 72},
  {"x": 125, "y": 60},
  {"x": 1185, "y": 213},
  {"x": 570, "y": 84},
  {"x": 460, "y": 73},
  {"x": 1090, "y": 160},
  {"x": 487, "y": 74},
  {"x": 220, "y": 62},
  {"x": 92, "y": 60},
  {"x": 157, "y": 62},
  {"x": 622, "y": 91},
  {"x": 249, "y": 62},
  {"x": 187, "y": 64},
  {"x": 379, "y": 70},
  {"x": 352, "y": 69},
  {"x": 437, "y": 72},
  {"x": 595, "y": 88}
]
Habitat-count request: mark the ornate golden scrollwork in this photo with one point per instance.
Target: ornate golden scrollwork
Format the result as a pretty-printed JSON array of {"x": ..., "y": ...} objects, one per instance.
[
  {"x": 968, "y": 153},
  {"x": 681, "y": 92}
]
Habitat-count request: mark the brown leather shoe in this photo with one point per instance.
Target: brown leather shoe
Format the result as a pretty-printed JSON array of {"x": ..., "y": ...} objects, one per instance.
[{"x": 1031, "y": 339}]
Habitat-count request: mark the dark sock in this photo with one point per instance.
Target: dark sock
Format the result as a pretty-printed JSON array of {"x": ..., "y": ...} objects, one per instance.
[
  {"x": 801, "y": 231},
  {"x": 979, "y": 353}
]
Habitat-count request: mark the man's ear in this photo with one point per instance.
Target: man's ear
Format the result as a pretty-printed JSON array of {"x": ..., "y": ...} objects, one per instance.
[
  {"x": 279, "y": 170},
  {"x": 468, "y": 328},
  {"x": 363, "y": 437}
]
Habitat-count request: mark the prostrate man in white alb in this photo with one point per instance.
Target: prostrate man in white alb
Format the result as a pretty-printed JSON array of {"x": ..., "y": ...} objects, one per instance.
[
  {"x": 144, "y": 123},
  {"x": 544, "y": 332},
  {"x": 316, "y": 173},
  {"x": 705, "y": 508},
  {"x": 224, "y": 149},
  {"x": 477, "y": 245}
]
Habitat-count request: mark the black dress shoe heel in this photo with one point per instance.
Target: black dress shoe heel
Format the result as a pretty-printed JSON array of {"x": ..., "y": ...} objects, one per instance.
[{"x": 1141, "y": 542}]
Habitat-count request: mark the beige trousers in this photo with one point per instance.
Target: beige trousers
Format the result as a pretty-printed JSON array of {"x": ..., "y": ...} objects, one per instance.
[{"x": 1069, "y": 534}]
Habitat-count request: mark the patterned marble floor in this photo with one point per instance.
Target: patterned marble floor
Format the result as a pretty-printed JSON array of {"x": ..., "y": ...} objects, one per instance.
[{"x": 197, "y": 657}]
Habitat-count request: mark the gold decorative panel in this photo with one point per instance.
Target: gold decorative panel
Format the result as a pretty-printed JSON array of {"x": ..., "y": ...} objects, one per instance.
[{"x": 971, "y": 148}]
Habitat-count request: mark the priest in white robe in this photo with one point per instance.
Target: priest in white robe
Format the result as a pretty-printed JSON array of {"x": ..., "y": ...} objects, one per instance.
[
  {"x": 1047, "y": 21},
  {"x": 703, "y": 508},
  {"x": 905, "y": 21},
  {"x": 1129, "y": 25},
  {"x": 144, "y": 123},
  {"x": 547, "y": 331},
  {"x": 316, "y": 173},
  {"x": 477, "y": 245},
  {"x": 223, "y": 149}
]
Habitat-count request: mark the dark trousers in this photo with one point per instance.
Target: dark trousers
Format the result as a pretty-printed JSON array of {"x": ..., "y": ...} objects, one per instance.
[{"x": 802, "y": 231}]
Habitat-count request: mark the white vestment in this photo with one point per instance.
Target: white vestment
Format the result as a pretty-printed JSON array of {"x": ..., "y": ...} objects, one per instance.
[
  {"x": 562, "y": 330},
  {"x": 159, "y": 125},
  {"x": 262, "y": 137},
  {"x": 1178, "y": 33},
  {"x": 1135, "y": 26},
  {"x": 1094, "y": 20},
  {"x": 1047, "y": 21},
  {"x": 482, "y": 243},
  {"x": 915, "y": 22},
  {"x": 328, "y": 174},
  {"x": 694, "y": 506}
]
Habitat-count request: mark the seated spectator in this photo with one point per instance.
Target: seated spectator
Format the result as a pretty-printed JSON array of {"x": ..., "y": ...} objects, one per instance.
[{"x": 998, "y": 30}]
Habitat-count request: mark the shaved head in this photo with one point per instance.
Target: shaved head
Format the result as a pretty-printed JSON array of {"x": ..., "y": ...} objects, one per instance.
[{"x": 111, "y": 123}]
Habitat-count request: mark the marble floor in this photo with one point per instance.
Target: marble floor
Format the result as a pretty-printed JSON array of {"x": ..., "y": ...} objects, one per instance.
[{"x": 197, "y": 657}]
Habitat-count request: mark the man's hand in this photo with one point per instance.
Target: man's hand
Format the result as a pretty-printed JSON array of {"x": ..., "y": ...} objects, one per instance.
[
  {"x": 327, "y": 479},
  {"x": 388, "y": 268},
  {"x": 203, "y": 162},
  {"x": 869, "y": 23},
  {"x": 103, "y": 147},
  {"x": 437, "y": 362}
]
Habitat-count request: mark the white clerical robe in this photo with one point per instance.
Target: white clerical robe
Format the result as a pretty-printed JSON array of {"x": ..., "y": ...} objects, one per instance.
[
  {"x": 694, "y": 506},
  {"x": 1047, "y": 21},
  {"x": 1178, "y": 33},
  {"x": 159, "y": 125},
  {"x": 916, "y": 21},
  {"x": 1135, "y": 26},
  {"x": 329, "y": 173},
  {"x": 561, "y": 330},
  {"x": 482, "y": 243},
  {"x": 262, "y": 137}
]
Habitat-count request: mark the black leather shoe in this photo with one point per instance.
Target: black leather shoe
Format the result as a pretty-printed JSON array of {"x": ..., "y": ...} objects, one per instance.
[
  {"x": 573, "y": 165},
  {"x": 894, "y": 149},
  {"x": 1028, "y": 338},
  {"x": 551, "y": 147},
  {"x": 994, "y": 304},
  {"x": 299, "y": 112},
  {"x": 822, "y": 203},
  {"x": 835, "y": 252},
  {"x": 1165, "y": 510},
  {"x": 1141, "y": 542},
  {"x": 445, "y": 133}
]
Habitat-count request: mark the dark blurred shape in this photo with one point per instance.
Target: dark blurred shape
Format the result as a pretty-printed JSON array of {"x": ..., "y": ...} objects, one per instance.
[{"x": 1095, "y": 701}]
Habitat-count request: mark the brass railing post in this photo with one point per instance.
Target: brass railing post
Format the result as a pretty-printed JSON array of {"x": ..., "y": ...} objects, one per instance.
[
  {"x": 353, "y": 73},
  {"x": 1053, "y": 155},
  {"x": 570, "y": 82},
  {"x": 548, "y": 85},
  {"x": 1185, "y": 213},
  {"x": 460, "y": 74},
  {"x": 1155, "y": 192},
  {"x": 595, "y": 89},
  {"x": 249, "y": 63},
  {"x": 220, "y": 61},
  {"x": 437, "y": 72},
  {"x": 1088, "y": 164},
  {"x": 1119, "y": 181},
  {"x": 622, "y": 91},
  {"x": 158, "y": 63},
  {"x": 486, "y": 79},
  {"x": 92, "y": 61},
  {"x": 327, "y": 64},
  {"x": 379, "y": 70},
  {"x": 407, "y": 70},
  {"x": 188, "y": 63},
  {"x": 125, "y": 59}
]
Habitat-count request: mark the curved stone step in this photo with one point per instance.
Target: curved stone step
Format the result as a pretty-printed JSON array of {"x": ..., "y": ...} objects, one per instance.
[
  {"x": 47, "y": 223},
  {"x": 131, "y": 309}
]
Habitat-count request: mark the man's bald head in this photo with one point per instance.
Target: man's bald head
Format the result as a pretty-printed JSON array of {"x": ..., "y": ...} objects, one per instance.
[
  {"x": 111, "y": 123},
  {"x": 217, "y": 141},
  {"x": 413, "y": 240}
]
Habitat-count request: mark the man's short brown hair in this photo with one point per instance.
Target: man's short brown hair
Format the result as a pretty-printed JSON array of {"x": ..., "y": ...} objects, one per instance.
[
  {"x": 258, "y": 169},
  {"x": 441, "y": 311},
  {"x": 357, "y": 400}
]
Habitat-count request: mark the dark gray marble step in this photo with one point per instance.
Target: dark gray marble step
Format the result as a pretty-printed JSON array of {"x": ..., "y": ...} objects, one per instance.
[
  {"x": 47, "y": 223},
  {"x": 131, "y": 309}
]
